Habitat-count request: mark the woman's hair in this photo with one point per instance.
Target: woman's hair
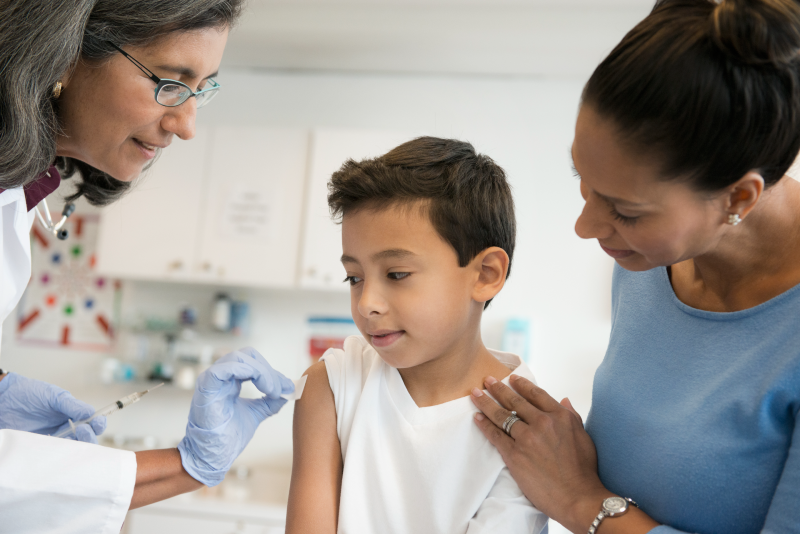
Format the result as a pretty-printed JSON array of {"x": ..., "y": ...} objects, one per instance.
[
  {"x": 465, "y": 194},
  {"x": 40, "y": 43},
  {"x": 712, "y": 90}
]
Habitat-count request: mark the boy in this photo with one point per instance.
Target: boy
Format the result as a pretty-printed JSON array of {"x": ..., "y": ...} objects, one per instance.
[{"x": 384, "y": 439}]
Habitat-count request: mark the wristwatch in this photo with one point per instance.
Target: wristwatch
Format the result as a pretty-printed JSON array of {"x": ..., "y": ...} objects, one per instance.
[{"x": 612, "y": 507}]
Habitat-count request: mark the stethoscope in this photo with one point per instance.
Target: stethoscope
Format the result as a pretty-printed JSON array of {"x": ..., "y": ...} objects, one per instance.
[{"x": 47, "y": 222}]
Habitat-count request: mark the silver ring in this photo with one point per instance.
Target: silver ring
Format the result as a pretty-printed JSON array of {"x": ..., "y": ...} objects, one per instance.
[{"x": 509, "y": 422}]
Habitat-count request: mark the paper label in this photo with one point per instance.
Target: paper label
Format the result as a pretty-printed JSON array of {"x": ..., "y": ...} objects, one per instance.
[{"x": 246, "y": 214}]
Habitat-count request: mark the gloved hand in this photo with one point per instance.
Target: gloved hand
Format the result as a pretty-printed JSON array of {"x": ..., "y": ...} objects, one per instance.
[
  {"x": 221, "y": 423},
  {"x": 36, "y": 406}
]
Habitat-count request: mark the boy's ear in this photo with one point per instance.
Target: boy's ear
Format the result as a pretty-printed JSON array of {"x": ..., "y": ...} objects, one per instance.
[{"x": 492, "y": 267}]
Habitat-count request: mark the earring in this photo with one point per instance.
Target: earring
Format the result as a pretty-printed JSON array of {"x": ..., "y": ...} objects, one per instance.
[
  {"x": 734, "y": 219},
  {"x": 57, "y": 90}
]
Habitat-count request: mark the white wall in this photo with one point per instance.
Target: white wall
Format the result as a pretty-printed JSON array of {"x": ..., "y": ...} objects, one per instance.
[
  {"x": 559, "y": 281},
  {"x": 544, "y": 38}
]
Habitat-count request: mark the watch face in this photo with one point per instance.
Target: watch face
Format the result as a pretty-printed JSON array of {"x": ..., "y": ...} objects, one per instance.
[{"x": 615, "y": 505}]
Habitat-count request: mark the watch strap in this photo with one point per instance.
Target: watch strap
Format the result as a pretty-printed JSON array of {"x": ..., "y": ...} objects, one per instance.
[
  {"x": 603, "y": 514},
  {"x": 596, "y": 523}
]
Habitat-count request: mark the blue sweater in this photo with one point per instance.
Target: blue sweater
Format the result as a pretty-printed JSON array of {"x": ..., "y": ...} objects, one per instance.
[{"x": 695, "y": 413}]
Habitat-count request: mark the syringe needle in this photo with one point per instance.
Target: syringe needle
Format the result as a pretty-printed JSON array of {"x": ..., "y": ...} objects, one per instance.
[
  {"x": 108, "y": 410},
  {"x": 151, "y": 389}
]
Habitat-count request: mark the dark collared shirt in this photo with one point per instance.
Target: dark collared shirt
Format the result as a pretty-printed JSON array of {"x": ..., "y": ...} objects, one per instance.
[{"x": 46, "y": 183}]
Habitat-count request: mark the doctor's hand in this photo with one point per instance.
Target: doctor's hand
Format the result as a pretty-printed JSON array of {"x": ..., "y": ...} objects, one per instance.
[
  {"x": 36, "y": 406},
  {"x": 221, "y": 423}
]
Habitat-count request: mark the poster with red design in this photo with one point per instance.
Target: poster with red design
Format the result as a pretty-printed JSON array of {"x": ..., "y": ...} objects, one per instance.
[{"x": 67, "y": 304}]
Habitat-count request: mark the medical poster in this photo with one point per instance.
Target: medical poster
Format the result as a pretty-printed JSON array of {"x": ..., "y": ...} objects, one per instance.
[{"x": 67, "y": 304}]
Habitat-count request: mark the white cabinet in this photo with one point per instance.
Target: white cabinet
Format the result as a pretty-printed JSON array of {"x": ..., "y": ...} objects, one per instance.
[
  {"x": 228, "y": 208},
  {"x": 151, "y": 523},
  {"x": 322, "y": 244},
  {"x": 152, "y": 231},
  {"x": 154, "y": 523},
  {"x": 224, "y": 208},
  {"x": 209, "y": 516},
  {"x": 251, "y": 221}
]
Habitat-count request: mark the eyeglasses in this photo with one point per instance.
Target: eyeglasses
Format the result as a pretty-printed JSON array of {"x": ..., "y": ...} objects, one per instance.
[{"x": 171, "y": 93}]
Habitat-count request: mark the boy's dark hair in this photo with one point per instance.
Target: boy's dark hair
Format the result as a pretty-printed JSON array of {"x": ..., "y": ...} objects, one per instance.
[{"x": 469, "y": 200}]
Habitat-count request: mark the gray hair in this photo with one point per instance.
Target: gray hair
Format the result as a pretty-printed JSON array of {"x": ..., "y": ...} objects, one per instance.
[{"x": 40, "y": 43}]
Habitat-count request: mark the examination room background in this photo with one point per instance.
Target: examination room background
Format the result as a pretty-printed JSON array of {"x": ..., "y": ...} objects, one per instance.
[{"x": 504, "y": 75}]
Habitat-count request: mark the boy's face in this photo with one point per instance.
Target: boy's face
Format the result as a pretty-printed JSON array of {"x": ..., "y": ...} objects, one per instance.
[{"x": 408, "y": 296}]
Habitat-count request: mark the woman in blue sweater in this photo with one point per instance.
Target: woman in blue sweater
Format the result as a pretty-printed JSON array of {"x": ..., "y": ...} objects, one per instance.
[{"x": 682, "y": 145}]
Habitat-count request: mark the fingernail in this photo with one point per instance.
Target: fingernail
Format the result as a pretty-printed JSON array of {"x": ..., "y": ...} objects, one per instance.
[
  {"x": 490, "y": 380},
  {"x": 476, "y": 392},
  {"x": 513, "y": 378},
  {"x": 479, "y": 416}
]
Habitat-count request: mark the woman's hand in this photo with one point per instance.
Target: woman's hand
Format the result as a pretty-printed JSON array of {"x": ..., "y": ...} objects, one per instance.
[
  {"x": 35, "y": 406},
  {"x": 221, "y": 423},
  {"x": 549, "y": 454}
]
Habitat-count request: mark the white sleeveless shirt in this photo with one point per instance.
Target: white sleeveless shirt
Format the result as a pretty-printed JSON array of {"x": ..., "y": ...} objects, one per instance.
[{"x": 411, "y": 470}]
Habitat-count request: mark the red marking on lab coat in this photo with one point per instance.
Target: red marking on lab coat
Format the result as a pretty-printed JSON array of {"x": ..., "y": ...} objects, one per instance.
[
  {"x": 27, "y": 320},
  {"x": 103, "y": 322},
  {"x": 92, "y": 261},
  {"x": 65, "y": 336},
  {"x": 78, "y": 226},
  {"x": 50, "y": 300},
  {"x": 40, "y": 237}
]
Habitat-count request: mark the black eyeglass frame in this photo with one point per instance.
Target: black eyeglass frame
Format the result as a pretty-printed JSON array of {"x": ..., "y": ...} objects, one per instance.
[{"x": 161, "y": 82}]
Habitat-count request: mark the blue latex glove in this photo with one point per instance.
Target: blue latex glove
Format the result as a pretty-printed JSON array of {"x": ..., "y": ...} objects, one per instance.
[
  {"x": 221, "y": 423},
  {"x": 36, "y": 406}
]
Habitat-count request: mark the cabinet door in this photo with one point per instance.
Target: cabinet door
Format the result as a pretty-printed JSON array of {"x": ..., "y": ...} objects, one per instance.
[
  {"x": 149, "y": 523},
  {"x": 152, "y": 231},
  {"x": 322, "y": 243},
  {"x": 251, "y": 226},
  {"x": 145, "y": 521}
]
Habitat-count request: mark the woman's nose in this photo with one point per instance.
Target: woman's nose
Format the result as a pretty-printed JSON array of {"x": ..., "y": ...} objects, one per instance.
[
  {"x": 371, "y": 302},
  {"x": 593, "y": 222},
  {"x": 180, "y": 120}
]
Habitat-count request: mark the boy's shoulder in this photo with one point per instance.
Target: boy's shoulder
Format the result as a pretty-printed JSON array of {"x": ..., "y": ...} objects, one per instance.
[
  {"x": 514, "y": 363},
  {"x": 349, "y": 366},
  {"x": 354, "y": 348}
]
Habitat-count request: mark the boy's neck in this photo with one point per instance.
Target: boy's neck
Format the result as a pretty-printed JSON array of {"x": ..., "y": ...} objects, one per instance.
[{"x": 453, "y": 374}]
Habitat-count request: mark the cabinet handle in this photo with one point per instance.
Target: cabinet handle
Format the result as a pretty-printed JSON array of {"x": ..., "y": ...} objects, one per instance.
[
  {"x": 206, "y": 266},
  {"x": 176, "y": 265}
]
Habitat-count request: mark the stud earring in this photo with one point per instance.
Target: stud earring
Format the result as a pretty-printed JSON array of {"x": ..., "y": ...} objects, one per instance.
[
  {"x": 57, "y": 90},
  {"x": 734, "y": 219}
]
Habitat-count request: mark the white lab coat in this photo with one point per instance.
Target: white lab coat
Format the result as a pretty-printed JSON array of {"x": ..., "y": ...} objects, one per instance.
[{"x": 51, "y": 485}]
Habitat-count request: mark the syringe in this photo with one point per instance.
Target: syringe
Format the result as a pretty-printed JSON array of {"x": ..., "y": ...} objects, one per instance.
[{"x": 108, "y": 410}]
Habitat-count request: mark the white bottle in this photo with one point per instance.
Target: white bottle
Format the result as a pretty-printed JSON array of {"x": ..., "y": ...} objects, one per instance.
[{"x": 221, "y": 314}]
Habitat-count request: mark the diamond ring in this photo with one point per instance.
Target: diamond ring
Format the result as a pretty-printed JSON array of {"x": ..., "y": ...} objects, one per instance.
[{"x": 509, "y": 422}]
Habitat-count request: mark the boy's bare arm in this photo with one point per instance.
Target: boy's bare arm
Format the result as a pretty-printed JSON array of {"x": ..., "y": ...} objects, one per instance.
[{"x": 317, "y": 466}]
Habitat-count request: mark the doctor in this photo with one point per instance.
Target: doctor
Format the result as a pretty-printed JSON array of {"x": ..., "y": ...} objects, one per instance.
[{"x": 99, "y": 86}]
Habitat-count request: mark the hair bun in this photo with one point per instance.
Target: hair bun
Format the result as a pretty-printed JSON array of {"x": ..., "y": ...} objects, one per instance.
[{"x": 758, "y": 32}]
